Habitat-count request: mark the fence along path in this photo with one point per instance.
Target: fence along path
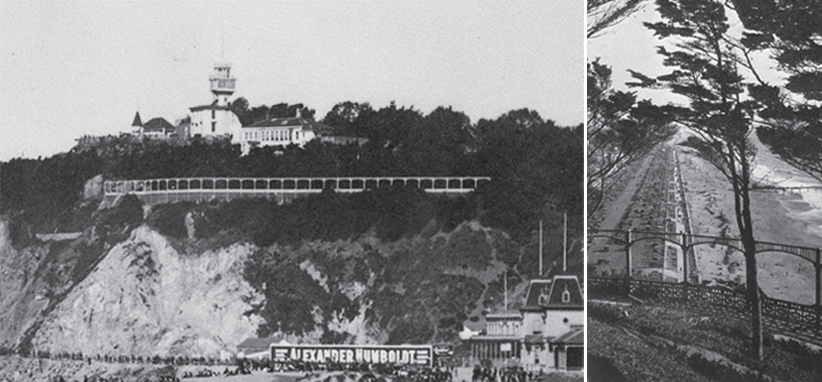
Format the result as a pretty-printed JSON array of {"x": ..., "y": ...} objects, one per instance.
[
  {"x": 167, "y": 190},
  {"x": 804, "y": 321}
]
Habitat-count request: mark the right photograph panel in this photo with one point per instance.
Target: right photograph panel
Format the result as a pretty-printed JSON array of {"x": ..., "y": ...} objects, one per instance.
[{"x": 704, "y": 190}]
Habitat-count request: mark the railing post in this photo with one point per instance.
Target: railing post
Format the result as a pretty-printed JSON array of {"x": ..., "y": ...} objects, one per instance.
[
  {"x": 818, "y": 305},
  {"x": 628, "y": 254},
  {"x": 685, "y": 282},
  {"x": 684, "y": 257}
]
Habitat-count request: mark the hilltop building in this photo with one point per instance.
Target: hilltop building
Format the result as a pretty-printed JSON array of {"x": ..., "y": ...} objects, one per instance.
[
  {"x": 137, "y": 124},
  {"x": 545, "y": 334},
  {"x": 280, "y": 132},
  {"x": 157, "y": 128},
  {"x": 214, "y": 119},
  {"x": 217, "y": 120}
]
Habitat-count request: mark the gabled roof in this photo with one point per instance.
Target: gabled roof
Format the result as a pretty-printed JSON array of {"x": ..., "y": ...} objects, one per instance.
[
  {"x": 533, "y": 338},
  {"x": 258, "y": 343},
  {"x": 575, "y": 337},
  {"x": 158, "y": 125},
  {"x": 477, "y": 326},
  {"x": 208, "y": 107},
  {"x": 506, "y": 315},
  {"x": 559, "y": 292},
  {"x": 304, "y": 123},
  {"x": 137, "y": 121}
]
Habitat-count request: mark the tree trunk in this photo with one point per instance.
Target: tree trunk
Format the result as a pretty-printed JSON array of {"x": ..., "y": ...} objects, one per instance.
[{"x": 755, "y": 301}]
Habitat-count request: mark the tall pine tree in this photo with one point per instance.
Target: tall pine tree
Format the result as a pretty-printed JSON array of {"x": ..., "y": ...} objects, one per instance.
[{"x": 706, "y": 70}]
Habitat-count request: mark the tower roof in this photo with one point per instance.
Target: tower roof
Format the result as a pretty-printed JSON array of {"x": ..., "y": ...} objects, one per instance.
[
  {"x": 559, "y": 292},
  {"x": 137, "y": 121}
]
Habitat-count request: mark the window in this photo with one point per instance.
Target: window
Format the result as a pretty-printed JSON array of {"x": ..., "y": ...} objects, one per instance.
[
  {"x": 566, "y": 296},
  {"x": 213, "y": 126},
  {"x": 213, "y": 114}
]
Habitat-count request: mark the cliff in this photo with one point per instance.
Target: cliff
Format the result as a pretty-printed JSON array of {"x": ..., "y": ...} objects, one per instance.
[{"x": 146, "y": 298}]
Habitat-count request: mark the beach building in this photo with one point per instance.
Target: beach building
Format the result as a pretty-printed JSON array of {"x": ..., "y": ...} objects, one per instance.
[
  {"x": 546, "y": 333},
  {"x": 257, "y": 347}
]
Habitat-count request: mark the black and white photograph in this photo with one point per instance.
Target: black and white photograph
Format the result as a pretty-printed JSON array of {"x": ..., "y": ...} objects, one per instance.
[
  {"x": 704, "y": 190},
  {"x": 297, "y": 191}
]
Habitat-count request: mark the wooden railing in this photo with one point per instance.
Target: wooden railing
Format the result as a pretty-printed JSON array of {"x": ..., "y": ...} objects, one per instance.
[{"x": 169, "y": 190}]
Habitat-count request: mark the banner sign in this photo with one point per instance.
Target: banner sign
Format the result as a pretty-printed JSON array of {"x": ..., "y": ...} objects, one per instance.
[
  {"x": 375, "y": 354},
  {"x": 443, "y": 350}
]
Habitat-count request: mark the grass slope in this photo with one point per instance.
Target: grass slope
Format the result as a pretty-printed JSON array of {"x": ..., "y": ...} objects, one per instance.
[{"x": 667, "y": 343}]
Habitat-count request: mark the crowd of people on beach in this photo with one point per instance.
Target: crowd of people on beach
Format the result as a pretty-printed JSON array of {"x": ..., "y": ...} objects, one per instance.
[{"x": 505, "y": 374}]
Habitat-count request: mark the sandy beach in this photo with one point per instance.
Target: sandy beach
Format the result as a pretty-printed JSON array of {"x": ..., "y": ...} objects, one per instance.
[{"x": 793, "y": 218}]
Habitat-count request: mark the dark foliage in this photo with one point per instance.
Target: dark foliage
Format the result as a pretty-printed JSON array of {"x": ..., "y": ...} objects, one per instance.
[
  {"x": 537, "y": 170},
  {"x": 169, "y": 219}
]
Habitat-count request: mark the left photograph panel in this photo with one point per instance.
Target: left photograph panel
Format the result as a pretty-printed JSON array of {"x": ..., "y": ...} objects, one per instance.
[{"x": 350, "y": 191}]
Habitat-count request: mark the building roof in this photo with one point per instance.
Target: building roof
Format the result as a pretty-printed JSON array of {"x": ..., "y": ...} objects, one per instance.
[
  {"x": 476, "y": 326},
  {"x": 559, "y": 292},
  {"x": 158, "y": 125},
  {"x": 258, "y": 343},
  {"x": 304, "y": 123},
  {"x": 213, "y": 106},
  {"x": 533, "y": 338},
  {"x": 575, "y": 337},
  {"x": 137, "y": 121},
  {"x": 486, "y": 337},
  {"x": 508, "y": 314}
]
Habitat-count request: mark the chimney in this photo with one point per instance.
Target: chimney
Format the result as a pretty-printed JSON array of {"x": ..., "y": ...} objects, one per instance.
[{"x": 299, "y": 113}]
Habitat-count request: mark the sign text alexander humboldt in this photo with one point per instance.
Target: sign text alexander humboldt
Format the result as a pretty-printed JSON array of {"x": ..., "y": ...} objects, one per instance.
[{"x": 391, "y": 354}]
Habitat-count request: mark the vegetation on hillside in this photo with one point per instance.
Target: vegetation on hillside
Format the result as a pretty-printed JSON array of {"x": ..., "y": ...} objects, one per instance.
[
  {"x": 425, "y": 269},
  {"x": 678, "y": 343},
  {"x": 536, "y": 166}
]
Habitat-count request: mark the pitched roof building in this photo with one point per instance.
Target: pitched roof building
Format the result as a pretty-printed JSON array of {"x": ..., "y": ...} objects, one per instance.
[
  {"x": 214, "y": 119},
  {"x": 280, "y": 132},
  {"x": 157, "y": 127},
  {"x": 256, "y": 347}
]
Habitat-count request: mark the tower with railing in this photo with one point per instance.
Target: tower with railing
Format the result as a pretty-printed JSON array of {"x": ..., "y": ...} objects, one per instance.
[
  {"x": 222, "y": 83},
  {"x": 215, "y": 119}
]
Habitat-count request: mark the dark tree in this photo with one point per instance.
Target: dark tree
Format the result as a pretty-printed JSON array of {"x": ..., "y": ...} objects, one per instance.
[
  {"x": 706, "y": 71},
  {"x": 620, "y": 130},
  {"x": 437, "y": 143},
  {"x": 344, "y": 117},
  {"x": 603, "y": 14},
  {"x": 792, "y": 116}
]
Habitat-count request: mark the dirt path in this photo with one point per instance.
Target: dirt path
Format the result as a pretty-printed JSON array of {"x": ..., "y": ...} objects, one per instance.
[
  {"x": 778, "y": 217},
  {"x": 614, "y": 210}
]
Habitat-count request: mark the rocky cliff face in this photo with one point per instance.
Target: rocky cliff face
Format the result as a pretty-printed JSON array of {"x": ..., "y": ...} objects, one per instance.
[
  {"x": 139, "y": 293},
  {"x": 145, "y": 298},
  {"x": 21, "y": 291}
]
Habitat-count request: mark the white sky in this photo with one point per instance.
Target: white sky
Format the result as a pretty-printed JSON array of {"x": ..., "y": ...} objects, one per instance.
[{"x": 84, "y": 67}]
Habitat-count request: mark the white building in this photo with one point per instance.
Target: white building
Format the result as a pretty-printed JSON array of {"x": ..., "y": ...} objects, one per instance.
[
  {"x": 215, "y": 119},
  {"x": 280, "y": 132},
  {"x": 545, "y": 334}
]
